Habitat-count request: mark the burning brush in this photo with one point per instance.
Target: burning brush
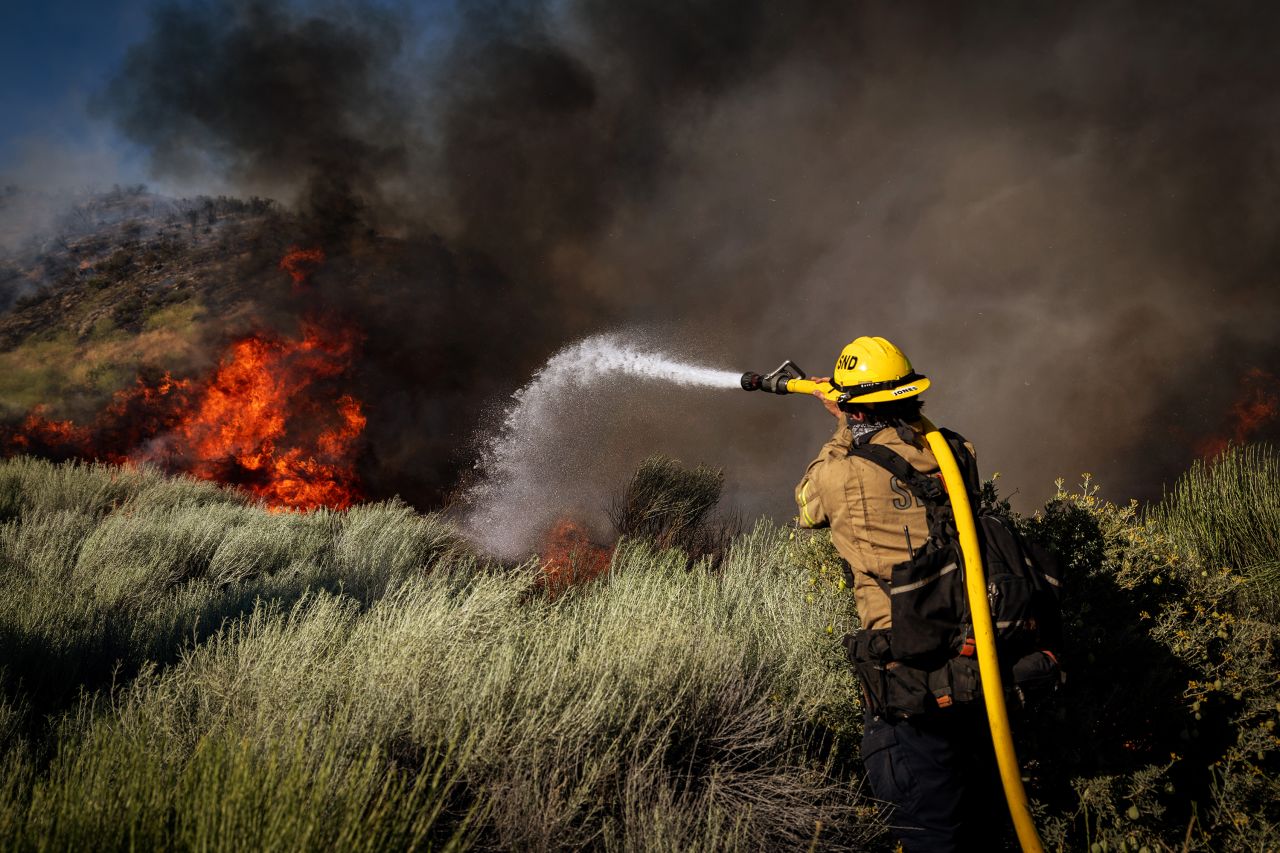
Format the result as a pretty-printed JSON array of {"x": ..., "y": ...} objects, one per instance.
[
  {"x": 569, "y": 557},
  {"x": 272, "y": 418}
]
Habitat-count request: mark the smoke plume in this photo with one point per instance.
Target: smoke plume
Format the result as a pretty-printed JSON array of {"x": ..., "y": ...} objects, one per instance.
[{"x": 1066, "y": 215}]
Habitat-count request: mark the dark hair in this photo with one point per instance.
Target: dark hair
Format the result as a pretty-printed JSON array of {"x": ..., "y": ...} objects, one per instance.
[{"x": 890, "y": 412}]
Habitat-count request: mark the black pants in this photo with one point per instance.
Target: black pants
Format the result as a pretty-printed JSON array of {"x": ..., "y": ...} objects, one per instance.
[{"x": 940, "y": 776}]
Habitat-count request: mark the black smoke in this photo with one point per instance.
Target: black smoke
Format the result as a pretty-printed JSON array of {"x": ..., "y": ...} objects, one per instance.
[
  {"x": 305, "y": 105},
  {"x": 1067, "y": 214}
]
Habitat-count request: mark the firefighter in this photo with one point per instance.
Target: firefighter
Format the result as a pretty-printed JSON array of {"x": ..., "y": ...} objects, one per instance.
[{"x": 935, "y": 769}]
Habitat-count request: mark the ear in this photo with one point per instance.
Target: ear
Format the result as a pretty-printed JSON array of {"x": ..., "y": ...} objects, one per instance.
[{"x": 857, "y": 415}]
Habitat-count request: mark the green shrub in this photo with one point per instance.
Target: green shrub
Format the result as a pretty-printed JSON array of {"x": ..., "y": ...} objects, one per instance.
[
  {"x": 106, "y": 568},
  {"x": 182, "y": 668},
  {"x": 358, "y": 680},
  {"x": 1164, "y": 736},
  {"x": 176, "y": 764},
  {"x": 1226, "y": 513},
  {"x": 673, "y": 507},
  {"x": 376, "y": 545},
  {"x": 35, "y": 485}
]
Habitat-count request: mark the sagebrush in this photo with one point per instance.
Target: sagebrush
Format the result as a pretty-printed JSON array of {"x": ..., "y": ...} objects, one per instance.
[{"x": 184, "y": 670}]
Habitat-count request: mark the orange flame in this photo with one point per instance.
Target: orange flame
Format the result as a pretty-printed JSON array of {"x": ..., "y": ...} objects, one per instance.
[
  {"x": 569, "y": 557},
  {"x": 265, "y": 421},
  {"x": 301, "y": 263},
  {"x": 37, "y": 431},
  {"x": 1256, "y": 407},
  {"x": 271, "y": 418}
]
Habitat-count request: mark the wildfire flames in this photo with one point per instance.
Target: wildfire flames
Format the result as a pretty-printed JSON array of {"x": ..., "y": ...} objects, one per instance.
[
  {"x": 266, "y": 422},
  {"x": 300, "y": 263},
  {"x": 271, "y": 418},
  {"x": 569, "y": 557},
  {"x": 1256, "y": 407}
]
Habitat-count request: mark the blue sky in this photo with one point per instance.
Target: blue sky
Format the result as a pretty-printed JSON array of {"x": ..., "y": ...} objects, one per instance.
[{"x": 53, "y": 55}]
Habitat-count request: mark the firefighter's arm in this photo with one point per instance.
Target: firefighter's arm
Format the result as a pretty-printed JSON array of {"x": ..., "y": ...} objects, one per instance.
[
  {"x": 809, "y": 504},
  {"x": 809, "y": 501}
]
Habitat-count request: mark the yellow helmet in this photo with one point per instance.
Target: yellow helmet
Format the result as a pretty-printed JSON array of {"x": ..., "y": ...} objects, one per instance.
[{"x": 872, "y": 370}]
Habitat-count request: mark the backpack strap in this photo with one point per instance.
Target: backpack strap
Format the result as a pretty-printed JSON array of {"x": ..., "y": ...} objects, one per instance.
[
  {"x": 926, "y": 488},
  {"x": 929, "y": 489}
]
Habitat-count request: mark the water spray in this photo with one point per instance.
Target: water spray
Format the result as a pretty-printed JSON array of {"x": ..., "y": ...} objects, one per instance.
[{"x": 530, "y": 462}]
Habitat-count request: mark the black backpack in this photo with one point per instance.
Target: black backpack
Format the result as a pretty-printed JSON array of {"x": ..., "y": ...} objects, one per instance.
[{"x": 931, "y": 642}]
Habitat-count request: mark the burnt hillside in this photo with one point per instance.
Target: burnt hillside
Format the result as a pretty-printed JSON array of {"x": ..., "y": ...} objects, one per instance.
[{"x": 128, "y": 295}]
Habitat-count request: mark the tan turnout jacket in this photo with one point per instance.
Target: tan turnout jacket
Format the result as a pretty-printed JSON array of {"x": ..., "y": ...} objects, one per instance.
[{"x": 866, "y": 508}]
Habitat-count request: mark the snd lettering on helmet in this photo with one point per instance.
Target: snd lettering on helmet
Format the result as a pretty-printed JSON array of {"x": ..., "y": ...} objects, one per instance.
[
  {"x": 906, "y": 389},
  {"x": 847, "y": 361}
]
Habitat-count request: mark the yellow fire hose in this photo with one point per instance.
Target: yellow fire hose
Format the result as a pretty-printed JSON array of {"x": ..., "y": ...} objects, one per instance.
[{"x": 985, "y": 638}]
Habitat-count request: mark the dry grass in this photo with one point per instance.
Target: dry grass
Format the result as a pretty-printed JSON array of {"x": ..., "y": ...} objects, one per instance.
[
  {"x": 183, "y": 668},
  {"x": 64, "y": 366}
]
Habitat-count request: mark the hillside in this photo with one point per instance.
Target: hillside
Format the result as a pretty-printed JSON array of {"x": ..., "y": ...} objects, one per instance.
[
  {"x": 181, "y": 667},
  {"x": 121, "y": 281},
  {"x": 128, "y": 315}
]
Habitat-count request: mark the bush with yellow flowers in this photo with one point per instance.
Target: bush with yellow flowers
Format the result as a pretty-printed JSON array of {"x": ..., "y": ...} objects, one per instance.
[{"x": 1164, "y": 736}]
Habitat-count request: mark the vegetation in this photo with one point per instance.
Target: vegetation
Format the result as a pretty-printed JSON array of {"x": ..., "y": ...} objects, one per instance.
[
  {"x": 87, "y": 370},
  {"x": 1227, "y": 513},
  {"x": 673, "y": 507},
  {"x": 363, "y": 681},
  {"x": 123, "y": 283},
  {"x": 1165, "y": 737},
  {"x": 184, "y": 670}
]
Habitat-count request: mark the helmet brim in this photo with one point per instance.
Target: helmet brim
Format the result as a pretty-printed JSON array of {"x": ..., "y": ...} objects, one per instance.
[{"x": 901, "y": 392}]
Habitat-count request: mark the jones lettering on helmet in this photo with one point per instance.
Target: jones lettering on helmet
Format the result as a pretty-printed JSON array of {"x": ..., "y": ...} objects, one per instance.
[
  {"x": 848, "y": 361},
  {"x": 898, "y": 392}
]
